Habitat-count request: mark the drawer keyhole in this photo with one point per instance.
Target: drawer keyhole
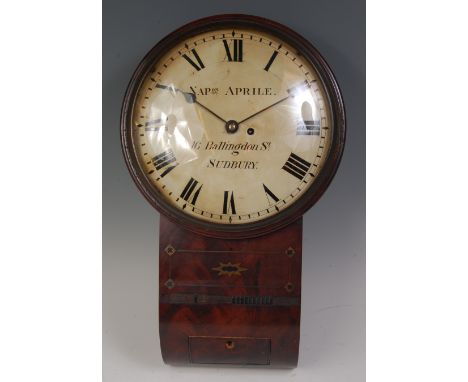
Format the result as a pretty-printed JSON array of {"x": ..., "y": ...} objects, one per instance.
[{"x": 229, "y": 345}]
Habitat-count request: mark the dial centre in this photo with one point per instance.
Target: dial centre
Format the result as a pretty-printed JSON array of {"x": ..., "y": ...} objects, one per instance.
[{"x": 232, "y": 126}]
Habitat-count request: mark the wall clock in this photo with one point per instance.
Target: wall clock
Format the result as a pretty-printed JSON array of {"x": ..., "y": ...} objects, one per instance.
[{"x": 232, "y": 127}]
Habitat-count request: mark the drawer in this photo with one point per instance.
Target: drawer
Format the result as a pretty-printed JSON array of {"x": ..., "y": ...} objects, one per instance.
[{"x": 230, "y": 350}]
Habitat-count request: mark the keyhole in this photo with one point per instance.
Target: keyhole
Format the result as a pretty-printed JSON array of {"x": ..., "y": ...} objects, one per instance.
[{"x": 229, "y": 345}]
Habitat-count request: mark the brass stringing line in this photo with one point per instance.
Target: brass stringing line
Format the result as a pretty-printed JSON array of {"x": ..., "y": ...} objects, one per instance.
[{"x": 238, "y": 251}]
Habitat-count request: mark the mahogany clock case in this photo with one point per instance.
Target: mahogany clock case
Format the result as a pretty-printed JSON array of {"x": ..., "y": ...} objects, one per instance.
[
  {"x": 321, "y": 182},
  {"x": 333, "y": 265}
]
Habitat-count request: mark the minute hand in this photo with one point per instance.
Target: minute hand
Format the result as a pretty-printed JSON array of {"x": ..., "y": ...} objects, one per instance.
[{"x": 266, "y": 108}]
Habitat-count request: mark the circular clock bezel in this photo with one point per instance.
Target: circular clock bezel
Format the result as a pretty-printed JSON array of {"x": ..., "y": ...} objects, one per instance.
[{"x": 322, "y": 180}]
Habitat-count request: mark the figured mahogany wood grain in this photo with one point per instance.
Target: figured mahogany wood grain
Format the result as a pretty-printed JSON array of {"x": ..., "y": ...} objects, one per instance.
[{"x": 230, "y": 301}]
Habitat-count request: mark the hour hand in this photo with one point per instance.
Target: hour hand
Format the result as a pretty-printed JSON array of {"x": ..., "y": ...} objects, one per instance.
[{"x": 190, "y": 98}]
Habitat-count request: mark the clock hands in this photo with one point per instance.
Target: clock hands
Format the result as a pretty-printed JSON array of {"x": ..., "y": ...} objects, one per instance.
[
  {"x": 190, "y": 98},
  {"x": 208, "y": 110},
  {"x": 232, "y": 126},
  {"x": 292, "y": 92},
  {"x": 266, "y": 108}
]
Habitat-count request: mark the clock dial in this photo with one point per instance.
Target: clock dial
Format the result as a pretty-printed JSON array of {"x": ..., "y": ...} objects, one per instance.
[{"x": 231, "y": 126}]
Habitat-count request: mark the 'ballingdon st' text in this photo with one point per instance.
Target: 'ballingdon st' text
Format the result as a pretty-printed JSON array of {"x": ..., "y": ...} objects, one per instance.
[{"x": 229, "y": 146}]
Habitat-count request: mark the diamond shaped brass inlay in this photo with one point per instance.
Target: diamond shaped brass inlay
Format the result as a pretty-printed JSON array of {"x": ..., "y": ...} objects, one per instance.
[
  {"x": 170, "y": 250},
  {"x": 290, "y": 252},
  {"x": 169, "y": 283}
]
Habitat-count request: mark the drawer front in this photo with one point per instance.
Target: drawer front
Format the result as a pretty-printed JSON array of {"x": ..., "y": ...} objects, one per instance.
[{"x": 230, "y": 350}]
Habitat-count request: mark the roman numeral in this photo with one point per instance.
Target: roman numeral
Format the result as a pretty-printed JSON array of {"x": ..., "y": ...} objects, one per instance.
[
  {"x": 272, "y": 58},
  {"x": 153, "y": 125},
  {"x": 228, "y": 204},
  {"x": 237, "y": 53},
  {"x": 270, "y": 194},
  {"x": 296, "y": 166},
  {"x": 198, "y": 66},
  {"x": 165, "y": 160},
  {"x": 189, "y": 189}
]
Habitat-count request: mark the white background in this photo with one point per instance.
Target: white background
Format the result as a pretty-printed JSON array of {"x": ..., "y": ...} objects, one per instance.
[{"x": 50, "y": 245}]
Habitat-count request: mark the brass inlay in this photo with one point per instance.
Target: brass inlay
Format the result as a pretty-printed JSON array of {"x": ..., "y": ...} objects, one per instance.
[
  {"x": 290, "y": 252},
  {"x": 229, "y": 269},
  {"x": 170, "y": 250},
  {"x": 169, "y": 283}
]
